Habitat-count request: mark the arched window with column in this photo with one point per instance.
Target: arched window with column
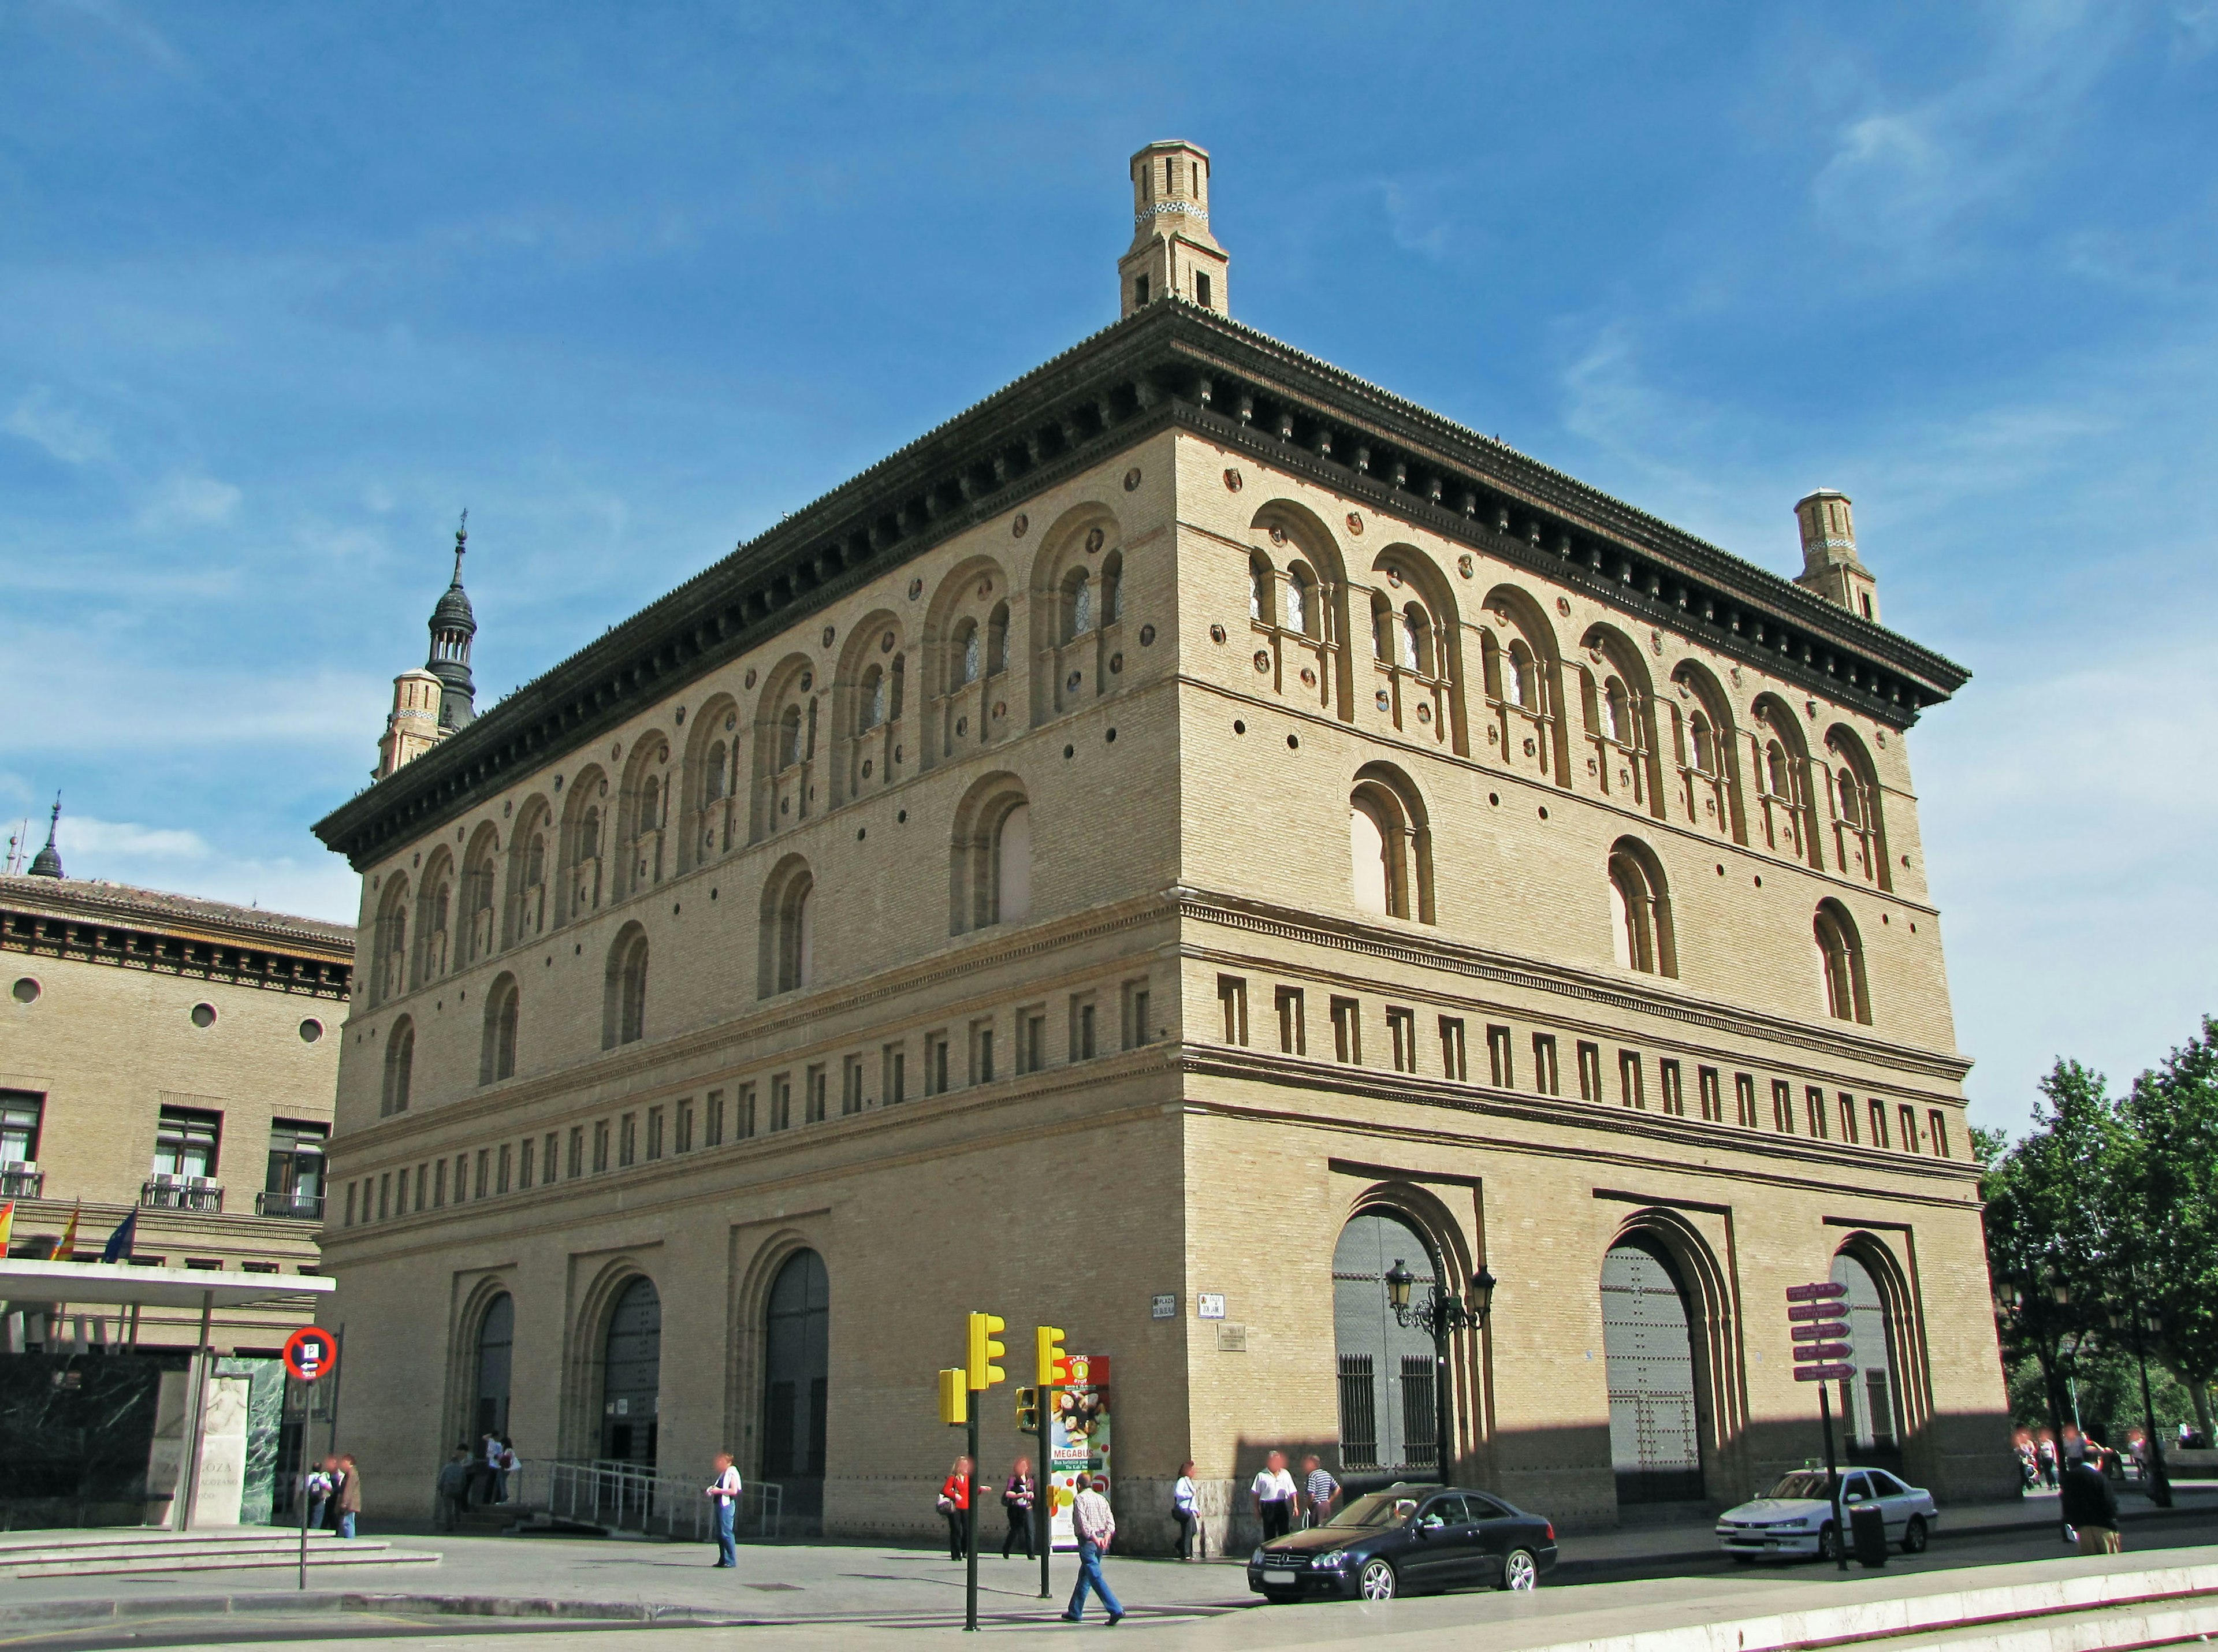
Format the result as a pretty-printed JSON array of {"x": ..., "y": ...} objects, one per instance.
[
  {"x": 786, "y": 953},
  {"x": 399, "y": 1068},
  {"x": 503, "y": 1003},
  {"x": 1390, "y": 846},
  {"x": 495, "y": 1351},
  {"x": 1857, "y": 807},
  {"x": 796, "y": 1381},
  {"x": 1870, "y": 1401},
  {"x": 1641, "y": 935},
  {"x": 631, "y": 1375},
  {"x": 388, "y": 976},
  {"x": 1388, "y": 1403},
  {"x": 1649, "y": 1363},
  {"x": 623, "y": 997},
  {"x": 990, "y": 855},
  {"x": 1841, "y": 964}
]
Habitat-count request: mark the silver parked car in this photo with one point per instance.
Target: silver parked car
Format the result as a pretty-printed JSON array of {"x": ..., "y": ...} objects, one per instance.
[{"x": 1796, "y": 1516}]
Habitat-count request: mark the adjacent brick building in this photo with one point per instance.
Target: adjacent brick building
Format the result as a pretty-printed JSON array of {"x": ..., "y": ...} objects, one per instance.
[{"x": 1193, "y": 824}]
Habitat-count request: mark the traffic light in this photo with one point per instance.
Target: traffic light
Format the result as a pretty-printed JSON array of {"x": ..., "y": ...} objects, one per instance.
[
  {"x": 1054, "y": 1363},
  {"x": 984, "y": 1350},
  {"x": 954, "y": 1398},
  {"x": 1028, "y": 1411}
]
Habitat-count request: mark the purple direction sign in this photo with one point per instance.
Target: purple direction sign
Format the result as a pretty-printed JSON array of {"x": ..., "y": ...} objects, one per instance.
[
  {"x": 1824, "y": 1289},
  {"x": 1823, "y": 1373},
  {"x": 1817, "y": 1322}
]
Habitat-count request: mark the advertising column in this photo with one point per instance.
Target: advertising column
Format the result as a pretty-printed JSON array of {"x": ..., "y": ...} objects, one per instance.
[{"x": 1079, "y": 1440}]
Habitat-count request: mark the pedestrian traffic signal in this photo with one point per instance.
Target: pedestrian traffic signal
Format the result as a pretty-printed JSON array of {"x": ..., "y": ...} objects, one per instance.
[
  {"x": 1054, "y": 1363},
  {"x": 954, "y": 1398},
  {"x": 1028, "y": 1411},
  {"x": 985, "y": 1349}
]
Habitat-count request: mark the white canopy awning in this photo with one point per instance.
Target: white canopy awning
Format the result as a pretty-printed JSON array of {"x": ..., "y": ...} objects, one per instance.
[{"x": 26, "y": 1284}]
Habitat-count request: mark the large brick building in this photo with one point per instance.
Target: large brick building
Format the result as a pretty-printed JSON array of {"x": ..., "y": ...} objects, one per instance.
[{"x": 1195, "y": 823}]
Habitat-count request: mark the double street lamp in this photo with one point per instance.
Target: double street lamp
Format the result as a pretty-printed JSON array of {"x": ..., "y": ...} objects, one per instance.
[
  {"x": 2133, "y": 1321},
  {"x": 1440, "y": 1315}
]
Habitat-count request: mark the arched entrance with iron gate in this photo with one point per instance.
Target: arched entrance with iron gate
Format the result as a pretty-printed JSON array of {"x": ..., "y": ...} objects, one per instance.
[
  {"x": 631, "y": 1375},
  {"x": 796, "y": 1378},
  {"x": 1648, "y": 1350},
  {"x": 1871, "y": 1406},
  {"x": 496, "y": 1346},
  {"x": 1388, "y": 1410}
]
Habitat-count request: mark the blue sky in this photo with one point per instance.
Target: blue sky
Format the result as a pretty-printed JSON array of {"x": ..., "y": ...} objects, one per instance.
[{"x": 283, "y": 288}]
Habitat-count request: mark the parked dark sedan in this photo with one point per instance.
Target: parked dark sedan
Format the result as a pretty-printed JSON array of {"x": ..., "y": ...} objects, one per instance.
[{"x": 1405, "y": 1540}]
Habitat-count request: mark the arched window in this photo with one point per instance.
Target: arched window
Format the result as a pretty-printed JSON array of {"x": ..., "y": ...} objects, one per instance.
[
  {"x": 1841, "y": 964},
  {"x": 496, "y": 1060},
  {"x": 796, "y": 1380},
  {"x": 1301, "y": 600},
  {"x": 1416, "y": 641},
  {"x": 789, "y": 737},
  {"x": 1778, "y": 777},
  {"x": 1704, "y": 740},
  {"x": 390, "y": 978},
  {"x": 716, "y": 773},
  {"x": 1012, "y": 865},
  {"x": 872, "y": 700},
  {"x": 399, "y": 1068},
  {"x": 1077, "y": 604},
  {"x": 623, "y": 1013},
  {"x": 530, "y": 868},
  {"x": 1616, "y": 712},
  {"x": 997, "y": 639},
  {"x": 968, "y": 657},
  {"x": 1648, "y": 1358},
  {"x": 631, "y": 1375},
  {"x": 496, "y": 1347},
  {"x": 1871, "y": 1403},
  {"x": 479, "y": 876},
  {"x": 1389, "y": 849},
  {"x": 1382, "y": 629},
  {"x": 1860, "y": 831},
  {"x": 787, "y": 954},
  {"x": 1640, "y": 912},
  {"x": 1112, "y": 588},
  {"x": 1389, "y": 1407},
  {"x": 1259, "y": 588},
  {"x": 1520, "y": 687}
]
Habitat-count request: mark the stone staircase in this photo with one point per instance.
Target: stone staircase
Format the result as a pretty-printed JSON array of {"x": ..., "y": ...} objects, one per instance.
[{"x": 113, "y": 1550}]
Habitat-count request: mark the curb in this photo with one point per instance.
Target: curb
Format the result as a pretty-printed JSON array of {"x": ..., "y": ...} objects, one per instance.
[{"x": 79, "y": 1613}]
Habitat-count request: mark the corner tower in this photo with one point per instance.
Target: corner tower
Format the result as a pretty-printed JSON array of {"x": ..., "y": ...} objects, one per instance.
[
  {"x": 453, "y": 625},
  {"x": 1173, "y": 254},
  {"x": 1829, "y": 566}
]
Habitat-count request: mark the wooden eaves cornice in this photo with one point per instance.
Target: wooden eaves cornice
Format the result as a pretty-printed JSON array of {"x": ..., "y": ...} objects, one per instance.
[{"x": 1169, "y": 364}]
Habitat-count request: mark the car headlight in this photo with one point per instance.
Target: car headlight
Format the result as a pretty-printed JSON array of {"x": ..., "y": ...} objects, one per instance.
[
  {"x": 1255, "y": 1559},
  {"x": 1335, "y": 1559}
]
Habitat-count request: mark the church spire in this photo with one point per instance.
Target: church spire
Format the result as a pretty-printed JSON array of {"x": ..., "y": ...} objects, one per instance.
[
  {"x": 453, "y": 625},
  {"x": 47, "y": 862}
]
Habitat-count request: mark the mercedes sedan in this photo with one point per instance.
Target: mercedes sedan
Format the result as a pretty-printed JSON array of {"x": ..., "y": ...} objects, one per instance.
[
  {"x": 1796, "y": 1516},
  {"x": 1405, "y": 1540}
]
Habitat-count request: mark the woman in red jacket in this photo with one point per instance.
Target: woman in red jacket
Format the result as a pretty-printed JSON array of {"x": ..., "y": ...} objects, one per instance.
[{"x": 955, "y": 1504}]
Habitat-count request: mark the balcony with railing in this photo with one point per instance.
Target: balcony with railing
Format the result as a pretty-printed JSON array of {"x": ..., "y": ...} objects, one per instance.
[
  {"x": 301, "y": 1207},
  {"x": 22, "y": 1180},
  {"x": 162, "y": 1191}
]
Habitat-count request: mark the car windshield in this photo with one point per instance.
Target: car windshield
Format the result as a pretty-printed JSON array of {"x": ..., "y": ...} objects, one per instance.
[
  {"x": 1807, "y": 1483},
  {"x": 1380, "y": 1508}
]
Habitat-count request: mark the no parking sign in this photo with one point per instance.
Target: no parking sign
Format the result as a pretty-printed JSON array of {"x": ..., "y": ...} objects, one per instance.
[{"x": 311, "y": 1352}]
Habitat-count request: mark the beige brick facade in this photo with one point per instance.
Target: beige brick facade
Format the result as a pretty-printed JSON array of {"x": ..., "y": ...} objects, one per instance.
[{"x": 129, "y": 1011}]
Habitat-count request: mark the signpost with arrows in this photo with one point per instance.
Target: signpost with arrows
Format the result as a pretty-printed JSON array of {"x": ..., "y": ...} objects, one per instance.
[{"x": 1818, "y": 1322}]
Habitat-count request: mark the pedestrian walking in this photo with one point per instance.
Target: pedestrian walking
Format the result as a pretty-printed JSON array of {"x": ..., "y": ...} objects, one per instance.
[
  {"x": 348, "y": 1499},
  {"x": 1095, "y": 1526},
  {"x": 1184, "y": 1506},
  {"x": 724, "y": 1499},
  {"x": 319, "y": 1489},
  {"x": 2048, "y": 1459},
  {"x": 955, "y": 1504},
  {"x": 2090, "y": 1509},
  {"x": 1320, "y": 1488},
  {"x": 489, "y": 1467},
  {"x": 1017, "y": 1499},
  {"x": 1275, "y": 1495},
  {"x": 454, "y": 1489},
  {"x": 504, "y": 1465}
]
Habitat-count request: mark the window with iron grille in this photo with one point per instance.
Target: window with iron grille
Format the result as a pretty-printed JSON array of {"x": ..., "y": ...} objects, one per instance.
[
  {"x": 1359, "y": 1412},
  {"x": 1420, "y": 1418}
]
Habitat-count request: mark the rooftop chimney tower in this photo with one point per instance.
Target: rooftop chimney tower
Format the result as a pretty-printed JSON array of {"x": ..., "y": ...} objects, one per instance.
[
  {"x": 1830, "y": 566},
  {"x": 1173, "y": 254}
]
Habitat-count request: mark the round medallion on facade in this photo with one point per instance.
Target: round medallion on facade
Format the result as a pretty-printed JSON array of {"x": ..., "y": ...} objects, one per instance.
[
  {"x": 731, "y": 718},
  {"x": 1093, "y": 540},
  {"x": 558, "y": 782},
  {"x": 829, "y": 633},
  {"x": 1355, "y": 522},
  {"x": 605, "y": 786},
  {"x": 203, "y": 1015},
  {"x": 1071, "y": 682},
  {"x": 1309, "y": 676},
  {"x": 962, "y": 726},
  {"x": 1595, "y": 654},
  {"x": 1115, "y": 664},
  {"x": 749, "y": 680},
  {"x": 1148, "y": 636},
  {"x": 1233, "y": 480},
  {"x": 1131, "y": 479},
  {"x": 886, "y": 643},
  {"x": 26, "y": 990},
  {"x": 1277, "y": 534},
  {"x": 1880, "y": 736},
  {"x": 311, "y": 1031},
  {"x": 1217, "y": 634},
  {"x": 1383, "y": 699},
  {"x": 785, "y": 805},
  {"x": 1001, "y": 709},
  {"x": 1564, "y": 606},
  {"x": 1656, "y": 642},
  {"x": 807, "y": 681},
  {"x": 985, "y": 587},
  {"x": 1424, "y": 713},
  {"x": 1464, "y": 566},
  {"x": 1531, "y": 749},
  {"x": 616, "y": 750},
  {"x": 866, "y": 768},
  {"x": 1262, "y": 660},
  {"x": 915, "y": 590},
  {"x": 1394, "y": 578},
  {"x": 1811, "y": 707},
  {"x": 1493, "y": 735},
  {"x": 1022, "y": 522},
  {"x": 507, "y": 808},
  {"x": 681, "y": 716}
]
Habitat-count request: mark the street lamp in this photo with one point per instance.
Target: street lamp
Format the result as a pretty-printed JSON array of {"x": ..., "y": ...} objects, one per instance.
[
  {"x": 1440, "y": 1315},
  {"x": 2158, "y": 1484}
]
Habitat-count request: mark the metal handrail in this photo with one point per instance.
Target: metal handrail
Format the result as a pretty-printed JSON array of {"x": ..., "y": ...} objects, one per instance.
[
  {"x": 306, "y": 1207},
  {"x": 631, "y": 1497},
  {"x": 16, "y": 1183},
  {"x": 161, "y": 1193}
]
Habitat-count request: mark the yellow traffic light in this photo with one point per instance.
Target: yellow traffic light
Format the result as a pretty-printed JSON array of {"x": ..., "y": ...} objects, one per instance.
[
  {"x": 984, "y": 1350},
  {"x": 1028, "y": 1411},
  {"x": 1054, "y": 1363},
  {"x": 954, "y": 1398}
]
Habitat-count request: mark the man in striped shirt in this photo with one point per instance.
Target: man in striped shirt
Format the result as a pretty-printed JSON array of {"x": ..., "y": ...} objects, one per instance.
[{"x": 1321, "y": 1488}]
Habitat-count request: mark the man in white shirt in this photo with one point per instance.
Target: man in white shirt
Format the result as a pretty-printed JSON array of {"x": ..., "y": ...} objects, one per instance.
[
  {"x": 724, "y": 1494},
  {"x": 1095, "y": 1525},
  {"x": 1275, "y": 1493}
]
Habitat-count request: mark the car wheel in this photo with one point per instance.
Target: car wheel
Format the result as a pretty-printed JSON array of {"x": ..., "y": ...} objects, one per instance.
[
  {"x": 1829, "y": 1542},
  {"x": 1520, "y": 1570},
  {"x": 1913, "y": 1536},
  {"x": 1378, "y": 1582}
]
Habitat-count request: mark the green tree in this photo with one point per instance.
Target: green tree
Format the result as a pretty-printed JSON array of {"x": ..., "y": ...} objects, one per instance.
[{"x": 2172, "y": 1188}]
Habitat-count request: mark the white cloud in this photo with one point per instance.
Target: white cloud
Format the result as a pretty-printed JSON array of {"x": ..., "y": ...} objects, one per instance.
[
  {"x": 65, "y": 433},
  {"x": 188, "y": 501},
  {"x": 81, "y": 832}
]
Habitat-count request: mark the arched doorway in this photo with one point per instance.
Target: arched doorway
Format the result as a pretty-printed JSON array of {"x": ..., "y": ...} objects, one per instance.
[
  {"x": 1648, "y": 1353},
  {"x": 1870, "y": 1408},
  {"x": 496, "y": 1343},
  {"x": 797, "y": 1366},
  {"x": 1389, "y": 1412},
  {"x": 631, "y": 1375}
]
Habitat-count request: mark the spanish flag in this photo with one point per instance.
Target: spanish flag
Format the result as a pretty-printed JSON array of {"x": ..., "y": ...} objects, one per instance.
[
  {"x": 66, "y": 1250},
  {"x": 7, "y": 1225}
]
